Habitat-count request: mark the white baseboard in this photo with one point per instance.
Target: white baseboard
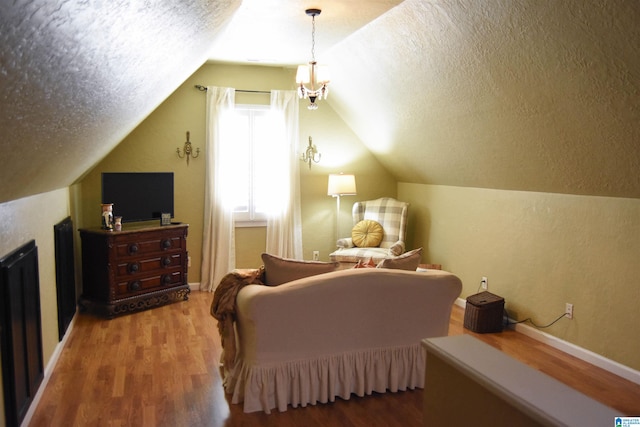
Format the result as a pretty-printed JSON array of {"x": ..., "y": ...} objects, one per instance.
[
  {"x": 574, "y": 350},
  {"x": 194, "y": 286},
  {"x": 47, "y": 374},
  {"x": 460, "y": 302}
]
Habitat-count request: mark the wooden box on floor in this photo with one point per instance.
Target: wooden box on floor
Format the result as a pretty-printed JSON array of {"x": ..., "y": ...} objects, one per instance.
[{"x": 483, "y": 313}]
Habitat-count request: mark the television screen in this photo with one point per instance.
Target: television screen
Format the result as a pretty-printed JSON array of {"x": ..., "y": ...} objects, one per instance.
[{"x": 138, "y": 196}]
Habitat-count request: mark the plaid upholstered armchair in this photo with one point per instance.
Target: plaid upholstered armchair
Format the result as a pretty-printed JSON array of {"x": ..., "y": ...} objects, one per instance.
[{"x": 368, "y": 216}]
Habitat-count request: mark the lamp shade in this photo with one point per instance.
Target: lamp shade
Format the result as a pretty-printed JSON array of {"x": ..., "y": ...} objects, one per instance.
[
  {"x": 302, "y": 76},
  {"x": 341, "y": 185},
  {"x": 322, "y": 74}
]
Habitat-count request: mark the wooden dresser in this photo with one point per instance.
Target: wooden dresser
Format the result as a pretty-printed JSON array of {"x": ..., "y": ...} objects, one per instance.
[{"x": 134, "y": 269}]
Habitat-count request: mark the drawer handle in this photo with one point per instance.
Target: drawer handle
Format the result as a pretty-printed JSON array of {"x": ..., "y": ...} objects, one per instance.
[
  {"x": 134, "y": 286},
  {"x": 133, "y": 268},
  {"x": 133, "y": 248},
  {"x": 166, "y": 244},
  {"x": 166, "y": 261},
  {"x": 166, "y": 279}
]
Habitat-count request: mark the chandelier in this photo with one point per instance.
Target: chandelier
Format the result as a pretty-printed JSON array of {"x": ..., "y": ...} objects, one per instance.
[{"x": 313, "y": 74}]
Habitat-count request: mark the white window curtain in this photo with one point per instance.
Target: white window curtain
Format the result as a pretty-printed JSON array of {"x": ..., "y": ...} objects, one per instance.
[
  {"x": 218, "y": 240},
  {"x": 284, "y": 224}
]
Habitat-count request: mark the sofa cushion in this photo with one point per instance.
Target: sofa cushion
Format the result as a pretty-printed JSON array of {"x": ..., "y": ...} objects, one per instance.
[
  {"x": 397, "y": 248},
  {"x": 407, "y": 261},
  {"x": 279, "y": 270},
  {"x": 367, "y": 234}
]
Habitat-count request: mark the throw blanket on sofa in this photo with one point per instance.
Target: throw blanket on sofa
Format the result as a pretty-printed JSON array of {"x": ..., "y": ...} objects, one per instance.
[{"x": 223, "y": 308}]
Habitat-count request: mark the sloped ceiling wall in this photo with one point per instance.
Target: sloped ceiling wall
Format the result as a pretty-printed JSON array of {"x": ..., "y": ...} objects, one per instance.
[
  {"x": 535, "y": 95},
  {"x": 78, "y": 76}
]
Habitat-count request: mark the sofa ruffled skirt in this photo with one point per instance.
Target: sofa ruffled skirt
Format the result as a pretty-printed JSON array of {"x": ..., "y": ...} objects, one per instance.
[{"x": 323, "y": 378}]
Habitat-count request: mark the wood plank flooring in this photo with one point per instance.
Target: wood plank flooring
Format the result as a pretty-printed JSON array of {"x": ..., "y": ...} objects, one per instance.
[{"x": 159, "y": 368}]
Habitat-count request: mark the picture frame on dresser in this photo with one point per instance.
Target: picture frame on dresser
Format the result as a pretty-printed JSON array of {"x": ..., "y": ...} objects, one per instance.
[{"x": 165, "y": 218}]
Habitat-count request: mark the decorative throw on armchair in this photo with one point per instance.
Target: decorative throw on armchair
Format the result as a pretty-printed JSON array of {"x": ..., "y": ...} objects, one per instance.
[{"x": 379, "y": 232}]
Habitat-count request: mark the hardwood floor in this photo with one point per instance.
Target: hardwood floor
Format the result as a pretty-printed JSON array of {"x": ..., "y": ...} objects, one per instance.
[{"x": 159, "y": 368}]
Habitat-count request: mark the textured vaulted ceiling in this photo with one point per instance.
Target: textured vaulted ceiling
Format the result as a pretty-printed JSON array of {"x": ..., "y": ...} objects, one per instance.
[
  {"x": 535, "y": 95},
  {"x": 279, "y": 32},
  {"x": 78, "y": 76}
]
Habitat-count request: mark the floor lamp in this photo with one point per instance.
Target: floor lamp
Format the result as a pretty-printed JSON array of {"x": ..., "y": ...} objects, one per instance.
[{"x": 340, "y": 185}]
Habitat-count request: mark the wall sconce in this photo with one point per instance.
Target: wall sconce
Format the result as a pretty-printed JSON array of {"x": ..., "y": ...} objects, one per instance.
[
  {"x": 187, "y": 151},
  {"x": 311, "y": 154}
]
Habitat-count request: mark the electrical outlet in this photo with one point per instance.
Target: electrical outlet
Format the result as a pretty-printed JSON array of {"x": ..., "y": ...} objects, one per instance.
[
  {"x": 484, "y": 283},
  {"x": 568, "y": 310},
  {"x": 188, "y": 261},
  {"x": 316, "y": 255}
]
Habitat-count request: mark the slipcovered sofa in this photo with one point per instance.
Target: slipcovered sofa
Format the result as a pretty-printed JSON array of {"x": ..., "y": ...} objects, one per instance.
[{"x": 333, "y": 334}]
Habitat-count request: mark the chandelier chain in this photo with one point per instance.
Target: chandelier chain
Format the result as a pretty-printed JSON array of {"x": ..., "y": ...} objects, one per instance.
[{"x": 313, "y": 38}]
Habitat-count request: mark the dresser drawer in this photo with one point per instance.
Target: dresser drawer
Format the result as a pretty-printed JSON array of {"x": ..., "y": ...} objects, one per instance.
[
  {"x": 135, "y": 266},
  {"x": 144, "y": 245},
  {"x": 143, "y": 284}
]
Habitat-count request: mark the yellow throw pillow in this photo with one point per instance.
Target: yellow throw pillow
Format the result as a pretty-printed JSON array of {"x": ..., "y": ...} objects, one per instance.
[{"x": 367, "y": 234}]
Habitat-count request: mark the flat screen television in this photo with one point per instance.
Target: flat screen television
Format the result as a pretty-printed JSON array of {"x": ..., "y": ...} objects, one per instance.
[{"x": 138, "y": 196}]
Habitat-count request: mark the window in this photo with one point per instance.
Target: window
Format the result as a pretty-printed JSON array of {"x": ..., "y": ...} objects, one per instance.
[{"x": 255, "y": 163}]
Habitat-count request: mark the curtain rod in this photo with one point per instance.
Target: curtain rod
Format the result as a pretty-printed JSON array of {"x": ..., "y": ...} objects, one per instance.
[{"x": 204, "y": 89}]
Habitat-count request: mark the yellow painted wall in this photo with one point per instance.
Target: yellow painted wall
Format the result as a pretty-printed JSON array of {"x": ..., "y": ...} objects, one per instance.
[
  {"x": 540, "y": 251},
  {"x": 342, "y": 151},
  {"x": 151, "y": 147},
  {"x": 33, "y": 218}
]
